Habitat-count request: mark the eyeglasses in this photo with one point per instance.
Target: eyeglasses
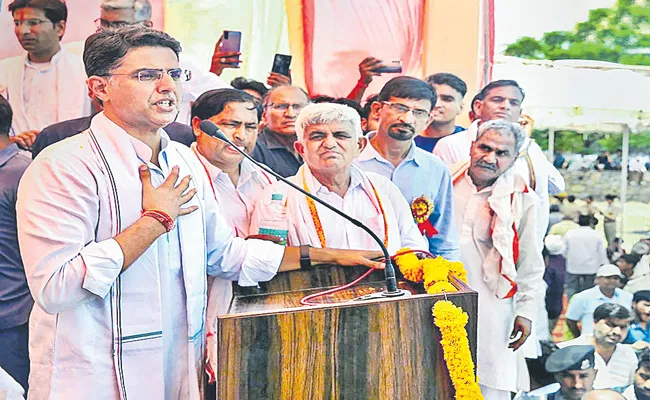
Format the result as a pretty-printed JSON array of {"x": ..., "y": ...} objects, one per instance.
[
  {"x": 402, "y": 109},
  {"x": 31, "y": 23},
  {"x": 285, "y": 106},
  {"x": 154, "y": 75},
  {"x": 101, "y": 23}
]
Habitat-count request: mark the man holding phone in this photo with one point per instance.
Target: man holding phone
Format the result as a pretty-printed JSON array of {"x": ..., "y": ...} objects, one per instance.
[{"x": 119, "y": 13}]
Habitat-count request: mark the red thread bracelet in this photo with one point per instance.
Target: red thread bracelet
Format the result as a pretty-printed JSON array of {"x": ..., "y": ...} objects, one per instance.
[
  {"x": 165, "y": 219},
  {"x": 362, "y": 84}
]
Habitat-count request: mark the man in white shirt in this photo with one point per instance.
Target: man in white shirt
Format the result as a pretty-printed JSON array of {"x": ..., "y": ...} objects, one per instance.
[
  {"x": 502, "y": 100},
  {"x": 615, "y": 362},
  {"x": 496, "y": 220},
  {"x": 117, "y": 13},
  {"x": 583, "y": 304},
  {"x": 116, "y": 245},
  {"x": 585, "y": 253},
  {"x": 236, "y": 182},
  {"x": 329, "y": 139},
  {"x": 48, "y": 84}
]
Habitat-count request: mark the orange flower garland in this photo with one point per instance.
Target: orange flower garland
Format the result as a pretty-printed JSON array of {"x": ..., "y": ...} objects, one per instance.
[
  {"x": 434, "y": 272},
  {"x": 451, "y": 321}
]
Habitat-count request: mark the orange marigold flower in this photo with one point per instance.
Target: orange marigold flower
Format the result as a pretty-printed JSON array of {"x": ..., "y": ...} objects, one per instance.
[{"x": 440, "y": 287}]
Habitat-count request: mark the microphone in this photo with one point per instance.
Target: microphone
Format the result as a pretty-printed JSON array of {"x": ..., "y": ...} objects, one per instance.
[{"x": 211, "y": 129}]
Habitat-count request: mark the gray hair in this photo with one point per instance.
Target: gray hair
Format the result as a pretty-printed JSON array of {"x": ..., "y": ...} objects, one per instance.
[
  {"x": 501, "y": 126},
  {"x": 326, "y": 113},
  {"x": 104, "y": 50},
  {"x": 141, "y": 8}
]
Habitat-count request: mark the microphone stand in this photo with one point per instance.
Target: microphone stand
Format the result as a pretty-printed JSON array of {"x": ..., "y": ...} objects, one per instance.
[{"x": 211, "y": 129}]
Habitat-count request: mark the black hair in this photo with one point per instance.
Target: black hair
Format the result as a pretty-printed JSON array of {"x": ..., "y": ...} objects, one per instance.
[
  {"x": 611, "y": 310},
  {"x": 571, "y": 198},
  {"x": 641, "y": 295},
  {"x": 213, "y": 102},
  {"x": 322, "y": 98},
  {"x": 644, "y": 359},
  {"x": 610, "y": 197},
  {"x": 6, "y": 115},
  {"x": 55, "y": 10},
  {"x": 584, "y": 220},
  {"x": 104, "y": 50},
  {"x": 500, "y": 83},
  {"x": 367, "y": 107},
  {"x": 590, "y": 197},
  {"x": 476, "y": 98},
  {"x": 451, "y": 80},
  {"x": 407, "y": 87},
  {"x": 242, "y": 83},
  {"x": 631, "y": 258}
]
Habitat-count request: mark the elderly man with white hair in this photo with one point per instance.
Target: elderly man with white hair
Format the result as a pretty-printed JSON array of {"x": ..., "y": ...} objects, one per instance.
[
  {"x": 496, "y": 216},
  {"x": 329, "y": 139}
]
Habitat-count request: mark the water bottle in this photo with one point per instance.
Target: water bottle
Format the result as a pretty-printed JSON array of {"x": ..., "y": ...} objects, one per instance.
[{"x": 276, "y": 222}]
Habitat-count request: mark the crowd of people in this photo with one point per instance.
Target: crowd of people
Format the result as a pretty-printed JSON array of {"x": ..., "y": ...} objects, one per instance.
[{"x": 122, "y": 232}]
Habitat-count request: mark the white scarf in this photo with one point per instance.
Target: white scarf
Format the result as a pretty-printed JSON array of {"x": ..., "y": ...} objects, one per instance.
[{"x": 135, "y": 296}]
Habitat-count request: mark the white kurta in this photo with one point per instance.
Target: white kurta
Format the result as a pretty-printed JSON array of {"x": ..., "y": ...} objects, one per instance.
[
  {"x": 202, "y": 81},
  {"x": 35, "y": 106},
  {"x": 497, "y": 365},
  {"x": 93, "y": 328},
  {"x": 240, "y": 202},
  {"x": 544, "y": 177},
  {"x": 359, "y": 202}
]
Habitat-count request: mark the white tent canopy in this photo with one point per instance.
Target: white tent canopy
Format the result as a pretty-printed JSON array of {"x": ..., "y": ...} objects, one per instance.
[
  {"x": 579, "y": 95},
  {"x": 583, "y": 96}
]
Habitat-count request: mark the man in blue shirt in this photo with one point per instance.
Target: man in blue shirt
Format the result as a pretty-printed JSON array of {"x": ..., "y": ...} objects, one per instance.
[
  {"x": 450, "y": 90},
  {"x": 15, "y": 299},
  {"x": 404, "y": 106},
  {"x": 639, "y": 330},
  {"x": 582, "y": 305}
]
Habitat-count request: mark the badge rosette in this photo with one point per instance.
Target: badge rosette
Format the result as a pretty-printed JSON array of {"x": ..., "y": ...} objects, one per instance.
[{"x": 422, "y": 208}]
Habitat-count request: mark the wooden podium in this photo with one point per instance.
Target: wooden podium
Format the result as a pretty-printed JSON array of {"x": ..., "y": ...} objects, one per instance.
[{"x": 272, "y": 347}]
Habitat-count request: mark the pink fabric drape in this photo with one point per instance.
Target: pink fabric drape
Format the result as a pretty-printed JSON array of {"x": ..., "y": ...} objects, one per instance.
[{"x": 339, "y": 34}]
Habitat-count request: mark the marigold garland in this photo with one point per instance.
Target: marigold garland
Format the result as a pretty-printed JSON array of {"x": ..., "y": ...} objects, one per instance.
[
  {"x": 451, "y": 321},
  {"x": 434, "y": 272}
]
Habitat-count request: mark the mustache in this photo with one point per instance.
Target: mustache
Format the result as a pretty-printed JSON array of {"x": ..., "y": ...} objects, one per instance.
[
  {"x": 404, "y": 126},
  {"x": 485, "y": 165}
]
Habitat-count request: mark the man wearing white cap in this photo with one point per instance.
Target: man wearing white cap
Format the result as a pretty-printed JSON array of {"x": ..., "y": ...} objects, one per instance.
[{"x": 583, "y": 304}]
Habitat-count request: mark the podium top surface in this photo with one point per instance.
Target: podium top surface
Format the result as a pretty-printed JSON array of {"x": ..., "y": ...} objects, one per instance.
[{"x": 289, "y": 301}]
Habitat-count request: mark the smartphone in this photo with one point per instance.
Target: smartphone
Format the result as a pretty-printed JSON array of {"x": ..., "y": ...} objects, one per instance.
[
  {"x": 281, "y": 64},
  {"x": 392, "y": 67},
  {"x": 231, "y": 41}
]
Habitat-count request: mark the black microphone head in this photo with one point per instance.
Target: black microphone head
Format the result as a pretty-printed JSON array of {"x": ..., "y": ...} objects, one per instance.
[{"x": 213, "y": 130}]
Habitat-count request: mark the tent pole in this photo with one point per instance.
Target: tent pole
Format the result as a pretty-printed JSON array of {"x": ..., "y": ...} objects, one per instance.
[
  {"x": 551, "y": 144},
  {"x": 624, "y": 164}
]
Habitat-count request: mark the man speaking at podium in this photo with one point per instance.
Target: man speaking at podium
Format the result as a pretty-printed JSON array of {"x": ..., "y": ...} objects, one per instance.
[
  {"x": 117, "y": 226},
  {"x": 329, "y": 139}
]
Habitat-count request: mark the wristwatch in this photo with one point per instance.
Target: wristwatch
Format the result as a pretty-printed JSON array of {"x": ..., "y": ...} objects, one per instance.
[{"x": 305, "y": 260}]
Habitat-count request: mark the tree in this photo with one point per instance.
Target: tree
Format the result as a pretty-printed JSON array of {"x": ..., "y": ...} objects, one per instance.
[{"x": 619, "y": 34}]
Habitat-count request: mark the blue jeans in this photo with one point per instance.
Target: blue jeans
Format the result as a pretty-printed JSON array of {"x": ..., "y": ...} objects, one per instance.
[{"x": 14, "y": 356}]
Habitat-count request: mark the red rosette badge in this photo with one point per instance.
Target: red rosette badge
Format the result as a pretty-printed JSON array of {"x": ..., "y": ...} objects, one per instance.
[{"x": 422, "y": 208}]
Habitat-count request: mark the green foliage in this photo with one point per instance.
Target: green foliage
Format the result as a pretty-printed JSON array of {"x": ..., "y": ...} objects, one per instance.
[
  {"x": 592, "y": 143},
  {"x": 620, "y": 34}
]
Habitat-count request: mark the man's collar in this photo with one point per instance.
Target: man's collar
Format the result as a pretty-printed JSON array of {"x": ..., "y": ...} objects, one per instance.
[
  {"x": 270, "y": 138},
  {"x": 7, "y": 153},
  {"x": 53, "y": 61},
  {"x": 314, "y": 186},
  {"x": 142, "y": 150},
  {"x": 371, "y": 152}
]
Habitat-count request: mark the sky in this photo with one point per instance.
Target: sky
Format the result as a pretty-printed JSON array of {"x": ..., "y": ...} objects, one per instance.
[{"x": 516, "y": 18}]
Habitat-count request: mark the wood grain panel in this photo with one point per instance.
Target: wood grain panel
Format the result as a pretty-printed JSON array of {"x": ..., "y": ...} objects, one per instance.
[{"x": 271, "y": 347}]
